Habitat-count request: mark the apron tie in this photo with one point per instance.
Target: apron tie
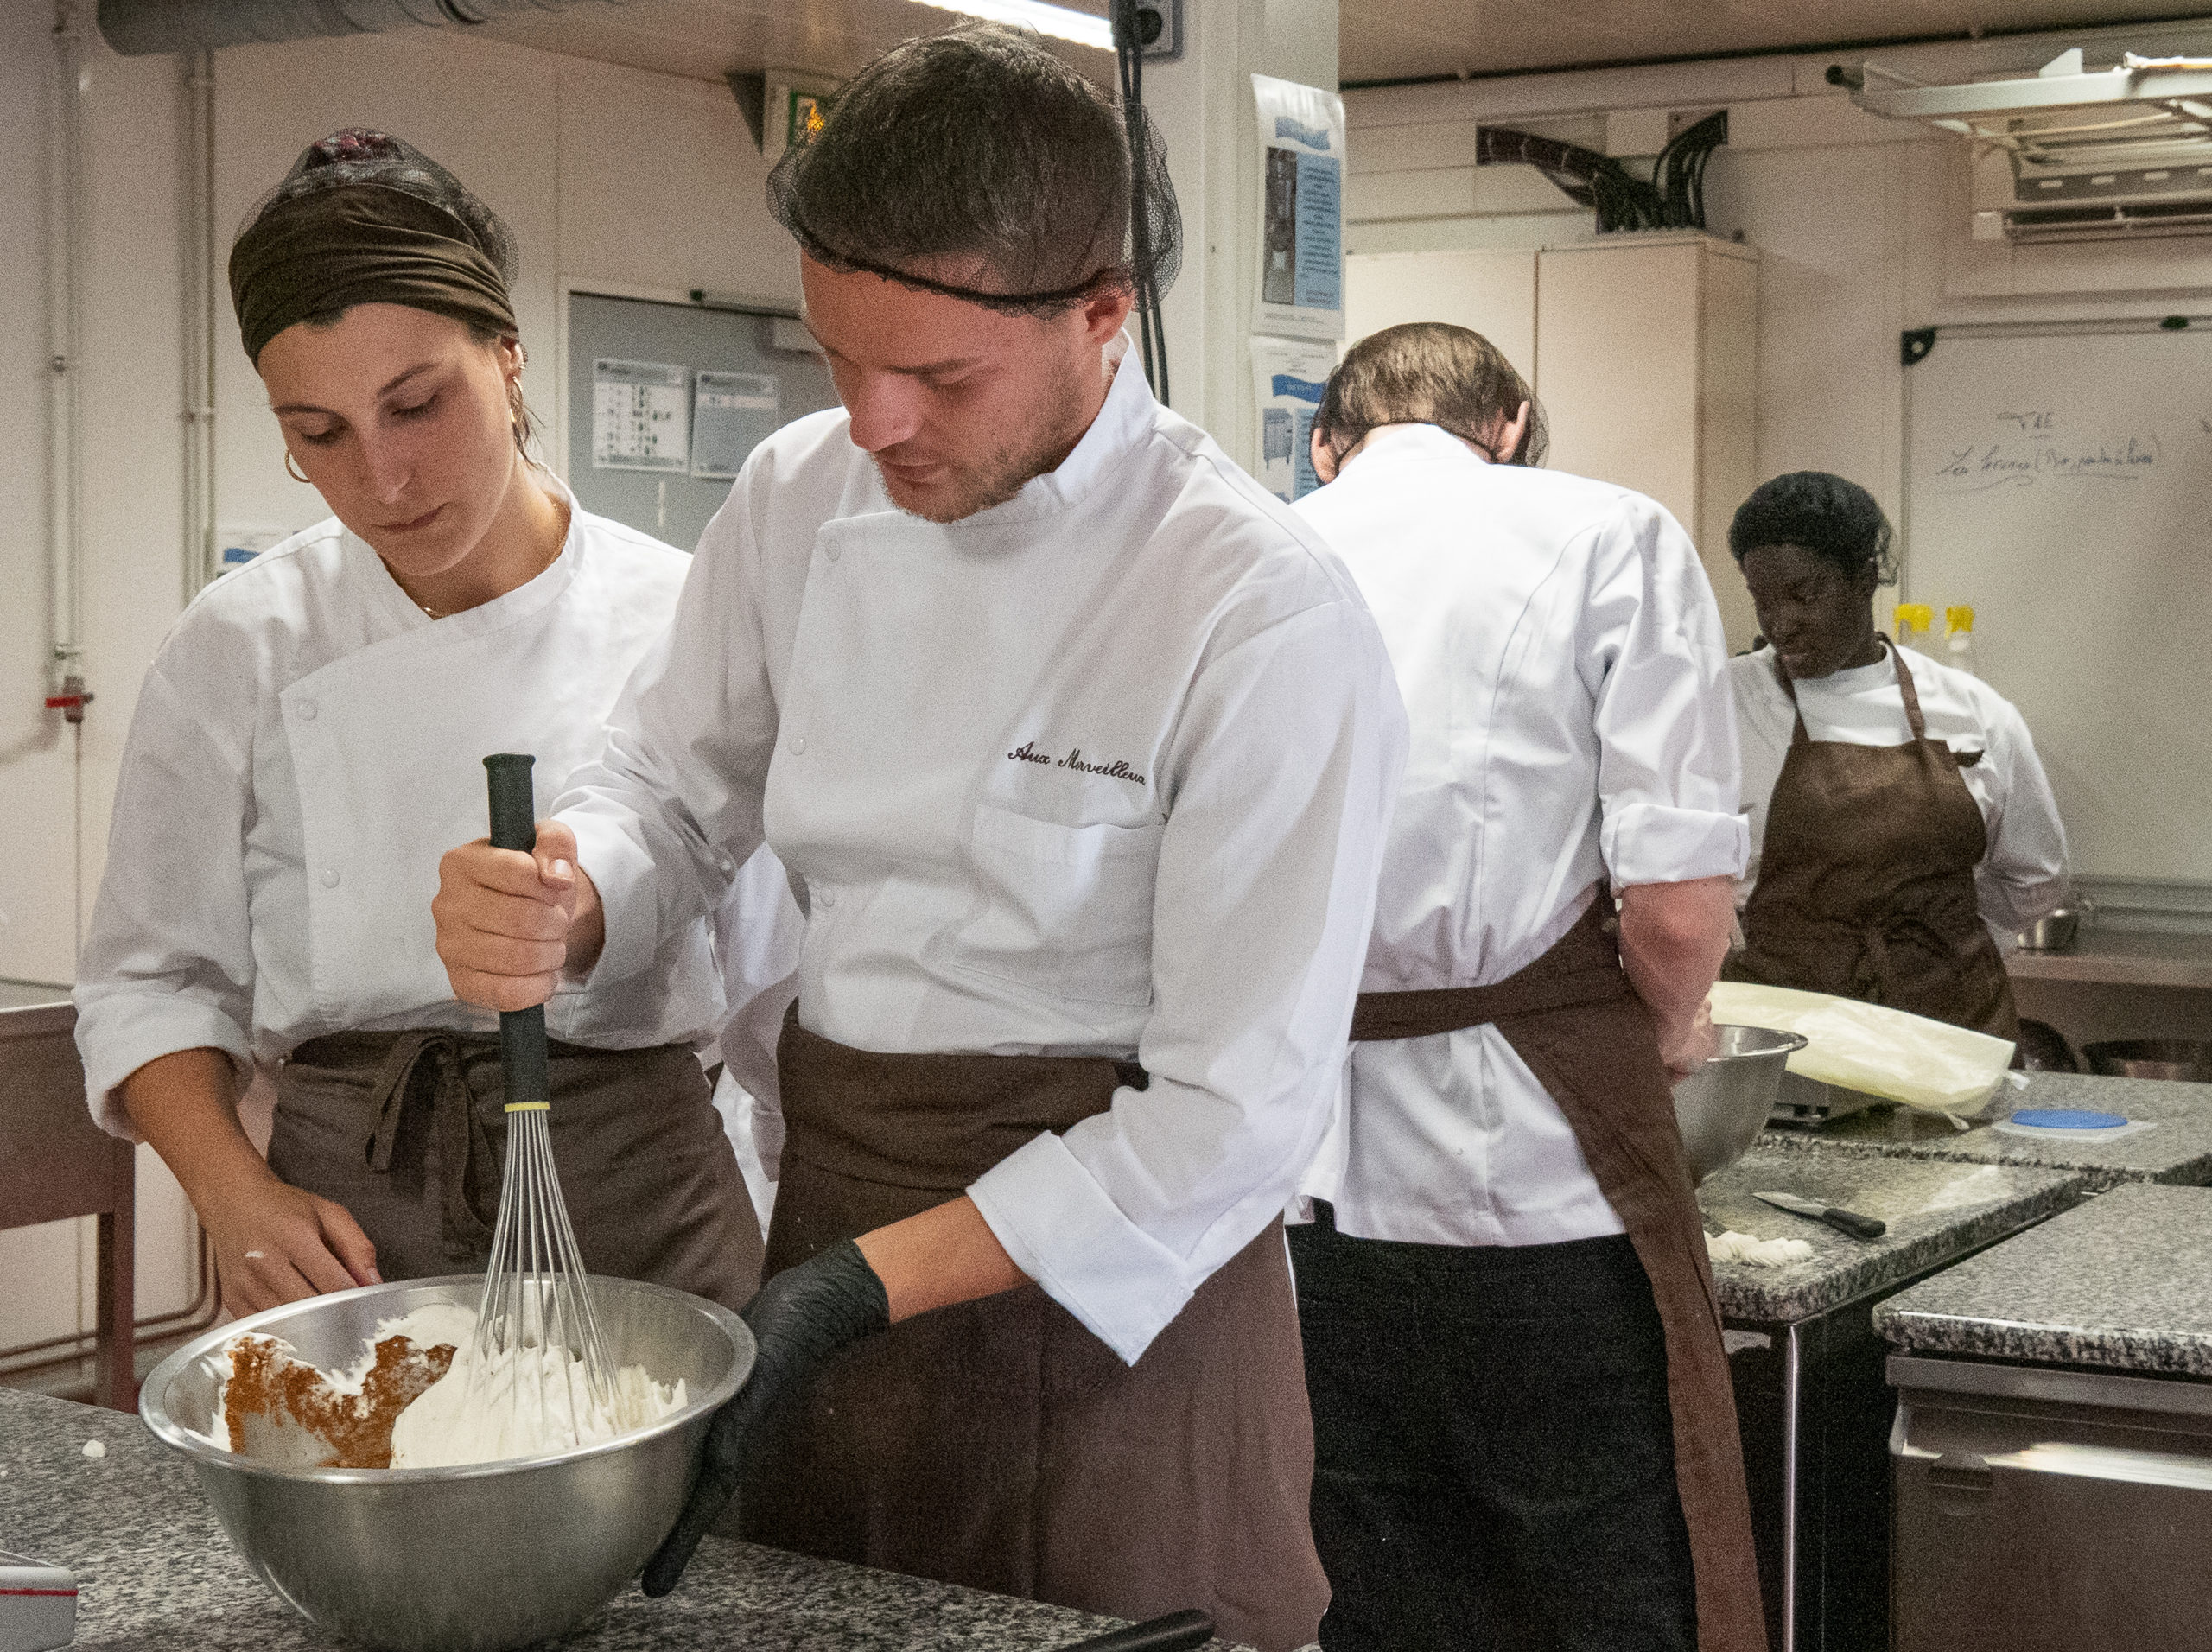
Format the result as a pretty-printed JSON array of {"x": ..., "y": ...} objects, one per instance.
[{"x": 426, "y": 1073}]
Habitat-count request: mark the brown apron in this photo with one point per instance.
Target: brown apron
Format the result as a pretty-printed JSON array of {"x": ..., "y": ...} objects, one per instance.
[
  {"x": 1000, "y": 1444},
  {"x": 408, "y": 1131},
  {"x": 1572, "y": 1016},
  {"x": 1865, "y": 887}
]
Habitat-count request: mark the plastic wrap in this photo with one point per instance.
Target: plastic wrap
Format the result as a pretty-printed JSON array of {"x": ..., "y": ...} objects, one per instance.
[{"x": 1886, "y": 1052}]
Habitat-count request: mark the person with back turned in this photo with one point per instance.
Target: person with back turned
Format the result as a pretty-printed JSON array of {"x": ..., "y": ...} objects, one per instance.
[
  {"x": 1080, "y": 749},
  {"x": 1525, "y": 1432}
]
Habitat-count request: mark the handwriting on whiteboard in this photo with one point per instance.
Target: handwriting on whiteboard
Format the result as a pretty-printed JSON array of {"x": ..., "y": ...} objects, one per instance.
[{"x": 2024, "y": 447}]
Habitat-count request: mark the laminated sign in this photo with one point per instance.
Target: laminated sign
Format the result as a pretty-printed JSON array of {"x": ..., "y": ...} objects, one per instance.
[
  {"x": 1289, "y": 376},
  {"x": 1301, "y": 211}
]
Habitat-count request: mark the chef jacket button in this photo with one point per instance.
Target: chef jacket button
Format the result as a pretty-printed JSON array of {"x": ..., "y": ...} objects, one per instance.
[
  {"x": 307, "y": 711},
  {"x": 799, "y": 745},
  {"x": 835, "y": 552},
  {"x": 330, "y": 880},
  {"x": 825, "y": 898}
]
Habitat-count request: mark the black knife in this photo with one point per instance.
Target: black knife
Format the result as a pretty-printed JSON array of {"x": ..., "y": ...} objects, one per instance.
[
  {"x": 1177, "y": 1632},
  {"x": 1850, "y": 1222}
]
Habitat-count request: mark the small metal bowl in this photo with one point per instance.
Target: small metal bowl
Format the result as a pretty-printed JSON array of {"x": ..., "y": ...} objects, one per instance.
[
  {"x": 478, "y": 1558},
  {"x": 2053, "y": 932},
  {"x": 1721, "y": 1108}
]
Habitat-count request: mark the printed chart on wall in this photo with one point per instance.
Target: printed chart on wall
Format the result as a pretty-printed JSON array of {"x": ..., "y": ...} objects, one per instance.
[
  {"x": 1301, "y": 211},
  {"x": 1289, "y": 376},
  {"x": 639, "y": 420},
  {"x": 2057, "y": 480},
  {"x": 680, "y": 396}
]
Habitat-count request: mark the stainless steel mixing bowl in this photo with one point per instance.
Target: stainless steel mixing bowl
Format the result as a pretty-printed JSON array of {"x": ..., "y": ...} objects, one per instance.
[
  {"x": 1722, "y": 1107},
  {"x": 460, "y": 1559}
]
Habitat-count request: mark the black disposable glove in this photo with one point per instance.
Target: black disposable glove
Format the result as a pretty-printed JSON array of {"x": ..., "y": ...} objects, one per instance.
[{"x": 799, "y": 1320}]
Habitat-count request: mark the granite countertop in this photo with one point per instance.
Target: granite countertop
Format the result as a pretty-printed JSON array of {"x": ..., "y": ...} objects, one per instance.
[
  {"x": 1934, "y": 1211},
  {"x": 2177, "y": 1148},
  {"x": 157, "y": 1573},
  {"x": 2123, "y": 1281}
]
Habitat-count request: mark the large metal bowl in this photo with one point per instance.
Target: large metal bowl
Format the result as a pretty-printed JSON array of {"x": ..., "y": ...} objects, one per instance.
[
  {"x": 1723, "y": 1106},
  {"x": 458, "y": 1559},
  {"x": 2187, "y": 1059}
]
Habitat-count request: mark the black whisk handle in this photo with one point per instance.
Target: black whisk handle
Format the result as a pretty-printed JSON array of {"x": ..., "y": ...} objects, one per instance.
[
  {"x": 522, "y": 1032},
  {"x": 514, "y": 811}
]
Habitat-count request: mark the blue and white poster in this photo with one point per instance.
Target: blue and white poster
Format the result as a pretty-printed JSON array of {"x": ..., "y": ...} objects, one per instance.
[
  {"x": 1288, "y": 377},
  {"x": 1301, "y": 211}
]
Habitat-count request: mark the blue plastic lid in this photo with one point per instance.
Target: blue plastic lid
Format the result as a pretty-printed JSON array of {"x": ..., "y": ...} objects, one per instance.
[{"x": 2067, "y": 1118}]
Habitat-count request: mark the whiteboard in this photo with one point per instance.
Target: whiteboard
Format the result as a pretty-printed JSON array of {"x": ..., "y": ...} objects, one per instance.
[{"x": 2060, "y": 480}]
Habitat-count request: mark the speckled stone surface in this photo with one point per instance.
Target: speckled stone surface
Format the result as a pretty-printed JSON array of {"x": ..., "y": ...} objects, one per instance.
[
  {"x": 1934, "y": 1210},
  {"x": 2124, "y": 1282},
  {"x": 2177, "y": 1148},
  {"x": 157, "y": 1573}
]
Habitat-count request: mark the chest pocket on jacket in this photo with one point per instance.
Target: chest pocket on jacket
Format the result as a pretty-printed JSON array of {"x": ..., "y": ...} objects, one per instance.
[{"x": 1069, "y": 909}]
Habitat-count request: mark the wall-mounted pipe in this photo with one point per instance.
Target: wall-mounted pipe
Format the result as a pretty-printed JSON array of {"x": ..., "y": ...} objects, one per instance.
[
  {"x": 196, "y": 250},
  {"x": 65, "y": 365},
  {"x": 143, "y": 28}
]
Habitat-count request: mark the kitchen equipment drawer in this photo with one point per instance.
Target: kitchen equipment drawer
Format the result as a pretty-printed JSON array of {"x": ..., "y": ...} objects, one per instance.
[{"x": 2038, "y": 1510}]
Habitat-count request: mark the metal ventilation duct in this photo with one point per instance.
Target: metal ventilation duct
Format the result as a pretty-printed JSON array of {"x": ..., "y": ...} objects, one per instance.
[{"x": 144, "y": 28}]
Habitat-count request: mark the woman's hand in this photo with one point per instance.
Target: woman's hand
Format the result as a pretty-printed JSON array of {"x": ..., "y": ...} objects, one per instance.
[
  {"x": 276, "y": 1243},
  {"x": 510, "y": 923},
  {"x": 273, "y": 1242}
]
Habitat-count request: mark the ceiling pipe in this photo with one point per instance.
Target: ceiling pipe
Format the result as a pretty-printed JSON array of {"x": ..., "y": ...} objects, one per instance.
[{"x": 147, "y": 28}]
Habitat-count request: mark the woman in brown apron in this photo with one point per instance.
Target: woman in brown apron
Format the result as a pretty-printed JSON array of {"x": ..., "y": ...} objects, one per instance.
[
  {"x": 1867, "y": 877},
  {"x": 310, "y": 742}
]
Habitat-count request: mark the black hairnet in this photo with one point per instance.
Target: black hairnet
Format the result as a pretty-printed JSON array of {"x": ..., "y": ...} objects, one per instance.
[{"x": 979, "y": 146}]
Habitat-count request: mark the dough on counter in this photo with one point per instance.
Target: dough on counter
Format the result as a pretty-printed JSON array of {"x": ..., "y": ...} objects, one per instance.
[{"x": 1733, "y": 1246}]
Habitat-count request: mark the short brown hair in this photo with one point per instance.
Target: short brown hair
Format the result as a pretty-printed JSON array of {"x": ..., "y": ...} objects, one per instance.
[{"x": 1430, "y": 372}]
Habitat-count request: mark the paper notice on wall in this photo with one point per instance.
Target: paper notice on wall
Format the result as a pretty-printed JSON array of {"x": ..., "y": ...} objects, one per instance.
[
  {"x": 731, "y": 414},
  {"x": 1289, "y": 376},
  {"x": 640, "y": 415},
  {"x": 1301, "y": 211}
]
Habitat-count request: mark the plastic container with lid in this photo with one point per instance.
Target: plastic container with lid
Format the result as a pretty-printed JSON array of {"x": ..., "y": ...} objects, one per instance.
[
  {"x": 1958, "y": 638},
  {"x": 1913, "y": 622}
]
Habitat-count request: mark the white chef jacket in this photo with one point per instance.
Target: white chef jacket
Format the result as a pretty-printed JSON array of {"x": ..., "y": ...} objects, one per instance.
[
  {"x": 758, "y": 932},
  {"x": 1562, "y": 663},
  {"x": 1104, "y": 769},
  {"x": 2023, "y": 875},
  {"x": 307, "y": 744}
]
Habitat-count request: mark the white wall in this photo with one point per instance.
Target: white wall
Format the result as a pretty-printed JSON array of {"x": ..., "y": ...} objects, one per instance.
[
  {"x": 609, "y": 177},
  {"x": 1860, "y": 222}
]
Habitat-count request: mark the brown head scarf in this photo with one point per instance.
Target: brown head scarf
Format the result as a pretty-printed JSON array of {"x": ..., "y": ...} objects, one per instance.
[{"x": 364, "y": 219}]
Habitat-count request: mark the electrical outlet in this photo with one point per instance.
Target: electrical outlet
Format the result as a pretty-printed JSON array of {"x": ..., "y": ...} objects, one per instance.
[{"x": 1160, "y": 29}]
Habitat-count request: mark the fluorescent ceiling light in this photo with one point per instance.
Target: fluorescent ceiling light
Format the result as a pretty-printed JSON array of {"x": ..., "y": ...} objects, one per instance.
[{"x": 1060, "y": 22}]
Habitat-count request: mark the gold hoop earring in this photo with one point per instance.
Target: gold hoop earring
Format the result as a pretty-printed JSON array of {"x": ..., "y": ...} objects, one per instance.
[{"x": 290, "y": 469}]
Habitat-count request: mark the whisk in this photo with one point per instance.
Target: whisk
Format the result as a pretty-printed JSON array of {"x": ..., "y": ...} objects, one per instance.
[{"x": 538, "y": 1365}]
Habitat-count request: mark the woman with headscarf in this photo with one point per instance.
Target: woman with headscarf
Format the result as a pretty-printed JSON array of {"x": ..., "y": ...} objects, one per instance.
[
  {"x": 309, "y": 741},
  {"x": 1900, "y": 821}
]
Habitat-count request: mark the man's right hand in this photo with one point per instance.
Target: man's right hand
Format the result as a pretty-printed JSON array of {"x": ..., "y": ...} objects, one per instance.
[
  {"x": 510, "y": 923},
  {"x": 276, "y": 1243}
]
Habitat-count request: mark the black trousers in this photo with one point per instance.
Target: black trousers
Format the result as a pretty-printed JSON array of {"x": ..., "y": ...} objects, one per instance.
[{"x": 1494, "y": 1460}]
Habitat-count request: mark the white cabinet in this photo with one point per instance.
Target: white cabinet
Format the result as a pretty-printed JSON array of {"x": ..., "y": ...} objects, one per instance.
[{"x": 1643, "y": 349}]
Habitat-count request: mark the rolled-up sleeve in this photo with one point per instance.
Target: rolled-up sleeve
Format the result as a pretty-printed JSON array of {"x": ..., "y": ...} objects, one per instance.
[
  {"x": 1656, "y": 663},
  {"x": 1284, "y": 770},
  {"x": 2022, "y": 874},
  {"x": 672, "y": 807},
  {"x": 168, "y": 960}
]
